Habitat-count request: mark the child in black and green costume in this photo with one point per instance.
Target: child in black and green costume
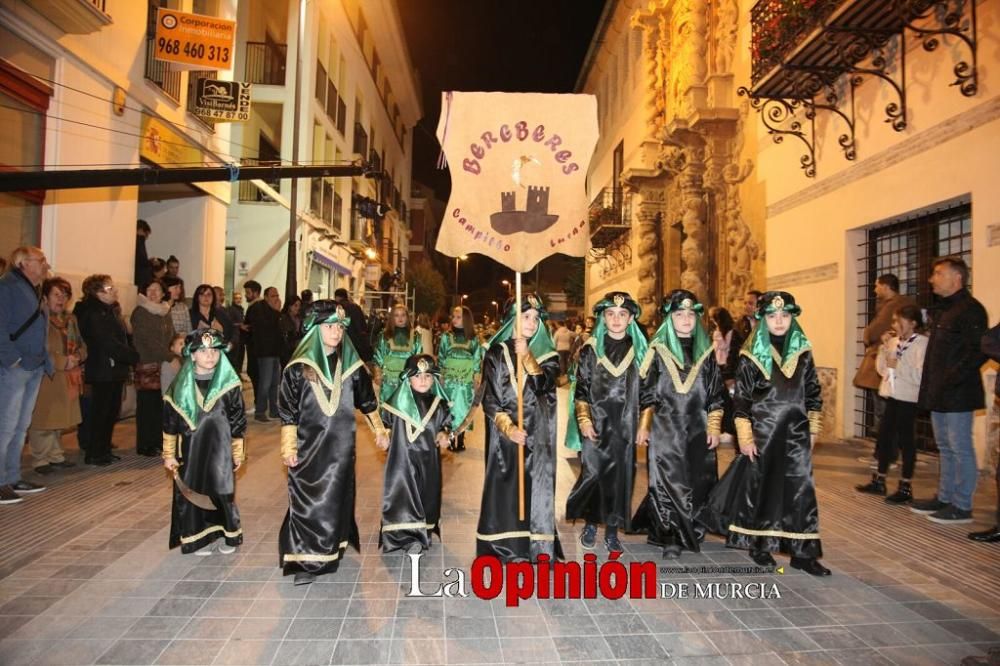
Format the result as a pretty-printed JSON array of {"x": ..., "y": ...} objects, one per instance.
[{"x": 204, "y": 422}]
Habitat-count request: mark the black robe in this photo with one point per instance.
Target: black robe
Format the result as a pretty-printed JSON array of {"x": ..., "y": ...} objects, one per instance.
[
  {"x": 206, "y": 466},
  {"x": 500, "y": 533},
  {"x": 775, "y": 507},
  {"x": 320, "y": 521},
  {"x": 411, "y": 494},
  {"x": 682, "y": 469},
  {"x": 603, "y": 491}
]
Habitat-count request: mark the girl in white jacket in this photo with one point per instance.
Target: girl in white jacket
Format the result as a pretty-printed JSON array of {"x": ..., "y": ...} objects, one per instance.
[{"x": 900, "y": 363}]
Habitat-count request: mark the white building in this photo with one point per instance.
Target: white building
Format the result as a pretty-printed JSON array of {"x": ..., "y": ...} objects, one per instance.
[
  {"x": 81, "y": 88},
  {"x": 359, "y": 100}
]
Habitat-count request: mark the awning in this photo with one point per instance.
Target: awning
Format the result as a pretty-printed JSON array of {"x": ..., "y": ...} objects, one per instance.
[{"x": 330, "y": 263}]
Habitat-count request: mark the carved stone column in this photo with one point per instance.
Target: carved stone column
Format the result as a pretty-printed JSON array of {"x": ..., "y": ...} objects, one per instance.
[{"x": 694, "y": 275}]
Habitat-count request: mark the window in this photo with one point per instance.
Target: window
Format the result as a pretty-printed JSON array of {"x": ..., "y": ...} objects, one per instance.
[
  {"x": 23, "y": 103},
  {"x": 907, "y": 248},
  {"x": 157, "y": 71}
]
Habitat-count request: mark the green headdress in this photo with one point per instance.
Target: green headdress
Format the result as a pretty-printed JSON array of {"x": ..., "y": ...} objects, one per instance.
[
  {"x": 666, "y": 335},
  {"x": 403, "y": 404},
  {"x": 184, "y": 395},
  {"x": 540, "y": 344},
  {"x": 311, "y": 352},
  {"x": 758, "y": 347}
]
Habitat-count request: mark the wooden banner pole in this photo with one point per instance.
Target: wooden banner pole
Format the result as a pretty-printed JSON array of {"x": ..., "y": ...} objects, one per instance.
[{"x": 519, "y": 373}]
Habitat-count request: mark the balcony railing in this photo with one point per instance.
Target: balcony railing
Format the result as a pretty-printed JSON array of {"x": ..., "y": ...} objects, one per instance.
[
  {"x": 610, "y": 216},
  {"x": 250, "y": 193},
  {"x": 265, "y": 63},
  {"x": 161, "y": 73}
]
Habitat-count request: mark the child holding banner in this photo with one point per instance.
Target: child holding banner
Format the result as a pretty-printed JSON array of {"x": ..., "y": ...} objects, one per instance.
[{"x": 500, "y": 532}]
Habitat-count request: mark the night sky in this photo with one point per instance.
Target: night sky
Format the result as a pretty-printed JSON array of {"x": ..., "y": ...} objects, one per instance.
[{"x": 490, "y": 45}]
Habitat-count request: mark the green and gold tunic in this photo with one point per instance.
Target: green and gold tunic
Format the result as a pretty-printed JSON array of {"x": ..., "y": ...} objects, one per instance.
[
  {"x": 391, "y": 355},
  {"x": 461, "y": 360}
]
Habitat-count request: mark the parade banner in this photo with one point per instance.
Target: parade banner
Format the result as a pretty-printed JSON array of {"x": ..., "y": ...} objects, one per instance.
[
  {"x": 194, "y": 41},
  {"x": 518, "y": 165}
]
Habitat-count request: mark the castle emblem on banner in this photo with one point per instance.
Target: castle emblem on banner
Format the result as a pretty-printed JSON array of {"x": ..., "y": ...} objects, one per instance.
[{"x": 533, "y": 219}]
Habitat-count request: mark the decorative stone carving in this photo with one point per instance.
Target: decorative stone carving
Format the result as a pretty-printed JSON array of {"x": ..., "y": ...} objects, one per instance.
[
  {"x": 648, "y": 206},
  {"x": 726, "y": 35}
]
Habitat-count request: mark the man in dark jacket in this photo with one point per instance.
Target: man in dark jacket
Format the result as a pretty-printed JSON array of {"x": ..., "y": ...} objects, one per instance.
[
  {"x": 263, "y": 320},
  {"x": 143, "y": 269},
  {"x": 23, "y": 359},
  {"x": 358, "y": 330},
  {"x": 991, "y": 348},
  {"x": 952, "y": 389}
]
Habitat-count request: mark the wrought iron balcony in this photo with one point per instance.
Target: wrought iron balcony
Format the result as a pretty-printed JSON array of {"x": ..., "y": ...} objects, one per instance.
[
  {"x": 811, "y": 55},
  {"x": 360, "y": 139},
  {"x": 74, "y": 16},
  {"x": 610, "y": 216}
]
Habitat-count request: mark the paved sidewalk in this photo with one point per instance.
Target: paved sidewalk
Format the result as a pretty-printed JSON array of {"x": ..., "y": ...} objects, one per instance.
[{"x": 85, "y": 578}]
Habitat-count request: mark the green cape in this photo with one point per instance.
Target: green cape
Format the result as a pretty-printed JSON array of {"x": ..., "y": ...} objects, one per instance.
[
  {"x": 185, "y": 396},
  {"x": 759, "y": 350}
]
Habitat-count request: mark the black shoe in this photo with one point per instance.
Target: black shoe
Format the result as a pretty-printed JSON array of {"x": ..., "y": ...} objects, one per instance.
[
  {"x": 588, "y": 538},
  {"x": 44, "y": 469},
  {"x": 927, "y": 507},
  {"x": 762, "y": 558},
  {"x": 810, "y": 565},
  {"x": 23, "y": 487},
  {"x": 451, "y": 447},
  {"x": 99, "y": 461},
  {"x": 8, "y": 496},
  {"x": 991, "y": 535},
  {"x": 460, "y": 446},
  {"x": 672, "y": 552},
  {"x": 903, "y": 494},
  {"x": 304, "y": 578},
  {"x": 261, "y": 419},
  {"x": 63, "y": 463},
  {"x": 951, "y": 515},
  {"x": 113, "y": 457},
  {"x": 613, "y": 544},
  {"x": 875, "y": 487}
]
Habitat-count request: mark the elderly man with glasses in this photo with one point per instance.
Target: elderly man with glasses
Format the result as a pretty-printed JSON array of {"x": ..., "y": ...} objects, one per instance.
[{"x": 23, "y": 359}]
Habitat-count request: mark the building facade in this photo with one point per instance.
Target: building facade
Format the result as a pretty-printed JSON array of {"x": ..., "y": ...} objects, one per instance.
[
  {"x": 359, "y": 101},
  {"x": 82, "y": 89},
  {"x": 806, "y": 146}
]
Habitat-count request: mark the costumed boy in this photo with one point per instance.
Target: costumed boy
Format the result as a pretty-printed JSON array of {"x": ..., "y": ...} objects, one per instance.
[
  {"x": 322, "y": 385},
  {"x": 461, "y": 357},
  {"x": 604, "y": 414},
  {"x": 397, "y": 343},
  {"x": 778, "y": 414},
  {"x": 500, "y": 532},
  {"x": 417, "y": 415},
  {"x": 204, "y": 422},
  {"x": 682, "y": 400}
]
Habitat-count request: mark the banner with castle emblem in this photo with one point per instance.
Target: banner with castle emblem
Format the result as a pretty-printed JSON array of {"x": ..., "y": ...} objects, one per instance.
[{"x": 518, "y": 165}]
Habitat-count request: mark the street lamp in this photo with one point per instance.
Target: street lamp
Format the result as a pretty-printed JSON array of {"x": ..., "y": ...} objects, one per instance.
[
  {"x": 464, "y": 296},
  {"x": 507, "y": 284},
  {"x": 497, "y": 306}
]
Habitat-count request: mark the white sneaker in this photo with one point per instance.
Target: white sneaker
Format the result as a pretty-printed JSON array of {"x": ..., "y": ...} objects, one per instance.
[
  {"x": 226, "y": 549},
  {"x": 204, "y": 552}
]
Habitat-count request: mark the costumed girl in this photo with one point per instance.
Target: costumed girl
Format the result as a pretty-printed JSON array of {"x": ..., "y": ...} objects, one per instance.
[
  {"x": 461, "y": 356},
  {"x": 500, "y": 532},
  {"x": 681, "y": 399},
  {"x": 604, "y": 414},
  {"x": 204, "y": 422},
  {"x": 398, "y": 342},
  {"x": 778, "y": 415},
  {"x": 322, "y": 385},
  {"x": 417, "y": 415}
]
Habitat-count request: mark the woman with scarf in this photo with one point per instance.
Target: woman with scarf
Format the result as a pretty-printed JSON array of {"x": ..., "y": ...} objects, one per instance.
[
  {"x": 322, "y": 385},
  {"x": 398, "y": 342},
  {"x": 778, "y": 415},
  {"x": 681, "y": 400},
  {"x": 204, "y": 422},
  {"x": 604, "y": 414},
  {"x": 461, "y": 357},
  {"x": 58, "y": 405},
  {"x": 152, "y": 332},
  {"x": 501, "y": 533},
  {"x": 420, "y": 423}
]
